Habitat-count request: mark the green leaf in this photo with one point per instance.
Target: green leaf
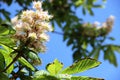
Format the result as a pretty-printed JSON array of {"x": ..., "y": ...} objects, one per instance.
[
  {"x": 46, "y": 77},
  {"x": 24, "y": 62},
  {"x": 5, "y": 13},
  {"x": 84, "y": 78},
  {"x": 8, "y": 60},
  {"x": 116, "y": 48},
  {"x": 26, "y": 78},
  {"x": 3, "y": 30},
  {"x": 96, "y": 53},
  {"x": 35, "y": 58},
  {"x": 83, "y": 11},
  {"x": 109, "y": 54},
  {"x": 79, "y": 3},
  {"x": 69, "y": 42},
  {"x": 111, "y": 38},
  {"x": 112, "y": 57},
  {"x": 3, "y": 76},
  {"x": 43, "y": 75},
  {"x": 6, "y": 48},
  {"x": 2, "y": 62},
  {"x": 64, "y": 76},
  {"x": 55, "y": 67},
  {"x": 98, "y": 6},
  {"x": 40, "y": 73},
  {"x": 90, "y": 11},
  {"x": 81, "y": 65},
  {"x": 76, "y": 55},
  {"x": 6, "y": 40},
  {"x": 104, "y": 0}
]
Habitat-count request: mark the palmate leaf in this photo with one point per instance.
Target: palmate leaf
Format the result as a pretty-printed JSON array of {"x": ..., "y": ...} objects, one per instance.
[
  {"x": 24, "y": 62},
  {"x": 55, "y": 67},
  {"x": 81, "y": 65},
  {"x": 84, "y": 78}
]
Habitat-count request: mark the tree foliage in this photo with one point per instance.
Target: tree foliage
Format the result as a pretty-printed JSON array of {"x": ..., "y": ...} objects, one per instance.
[{"x": 81, "y": 36}]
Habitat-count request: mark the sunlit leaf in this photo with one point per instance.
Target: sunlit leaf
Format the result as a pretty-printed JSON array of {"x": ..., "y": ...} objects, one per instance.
[
  {"x": 8, "y": 60},
  {"x": 6, "y": 40},
  {"x": 46, "y": 77},
  {"x": 43, "y": 75},
  {"x": 85, "y": 78},
  {"x": 24, "y": 62},
  {"x": 79, "y": 3},
  {"x": 81, "y": 65},
  {"x": 55, "y": 67},
  {"x": 64, "y": 76},
  {"x": 40, "y": 73}
]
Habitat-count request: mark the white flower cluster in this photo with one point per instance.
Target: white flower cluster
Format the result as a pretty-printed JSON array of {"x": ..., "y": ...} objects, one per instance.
[
  {"x": 97, "y": 29},
  {"x": 32, "y": 26}
]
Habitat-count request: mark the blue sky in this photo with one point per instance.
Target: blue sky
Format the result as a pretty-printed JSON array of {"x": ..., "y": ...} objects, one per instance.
[{"x": 58, "y": 49}]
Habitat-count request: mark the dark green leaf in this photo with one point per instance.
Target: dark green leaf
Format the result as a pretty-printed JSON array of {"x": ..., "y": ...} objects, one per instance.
[
  {"x": 3, "y": 76},
  {"x": 2, "y": 62},
  {"x": 83, "y": 11},
  {"x": 111, "y": 38},
  {"x": 96, "y": 53},
  {"x": 5, "y": 13},
  {"x": 9, "y": 2},
  {"x": 97, "y": 6},
  {"x": 112, "y": 57},
  {"x": 70, "y": 41},
  {"x": 90, "y": 11},
  {"x": 76, "y": 55},
  {"x": 109, "y": 55}
]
